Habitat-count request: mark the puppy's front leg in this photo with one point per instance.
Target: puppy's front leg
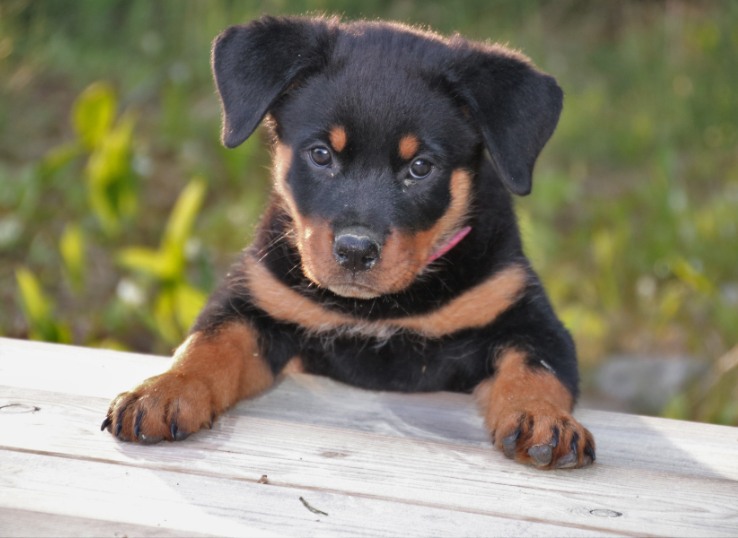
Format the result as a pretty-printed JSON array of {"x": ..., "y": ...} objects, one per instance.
[
  {"x": 527, "y": 409},
  {"x": 211, "y": 371}
]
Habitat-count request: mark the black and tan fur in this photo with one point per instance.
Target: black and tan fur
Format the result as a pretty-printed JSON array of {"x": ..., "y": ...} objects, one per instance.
[{"x": 389, "y": 257}]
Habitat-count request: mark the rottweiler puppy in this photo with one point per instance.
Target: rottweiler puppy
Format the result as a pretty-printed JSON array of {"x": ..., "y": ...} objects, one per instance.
[{"x": 389, "y": 256}]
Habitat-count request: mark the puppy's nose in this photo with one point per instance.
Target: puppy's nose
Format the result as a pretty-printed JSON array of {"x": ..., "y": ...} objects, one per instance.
[{"x": 355, "y": 251}]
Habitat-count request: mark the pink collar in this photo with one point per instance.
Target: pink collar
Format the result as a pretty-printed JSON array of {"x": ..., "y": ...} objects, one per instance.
[{"x": 451, "y": 243}]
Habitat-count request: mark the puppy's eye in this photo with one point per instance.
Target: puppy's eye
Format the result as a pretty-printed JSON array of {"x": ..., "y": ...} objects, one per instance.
[
  {"x": 420, "y": 168},
  {"x": 321, "y": 156}
]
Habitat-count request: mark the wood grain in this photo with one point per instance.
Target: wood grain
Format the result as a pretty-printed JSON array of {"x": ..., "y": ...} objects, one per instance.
[{"x": 379, "y": 464}]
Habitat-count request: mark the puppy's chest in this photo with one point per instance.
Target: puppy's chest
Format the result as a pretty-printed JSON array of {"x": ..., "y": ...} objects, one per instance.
[{"x": 403, "y": 361}]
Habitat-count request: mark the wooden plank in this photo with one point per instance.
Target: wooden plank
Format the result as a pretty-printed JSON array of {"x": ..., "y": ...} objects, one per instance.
[
  {"x": 385, "y": 466},
  {"x": 73, "y": 370},
  {"x": 412, "y": 452},
  {"x": 650, "y": 444},
  {"x": 23, "y": 523},
  {"x": 110, "y": 496}
]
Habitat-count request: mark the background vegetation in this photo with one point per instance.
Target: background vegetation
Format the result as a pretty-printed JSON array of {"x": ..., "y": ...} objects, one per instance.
[{"x": 119, "y": 209}]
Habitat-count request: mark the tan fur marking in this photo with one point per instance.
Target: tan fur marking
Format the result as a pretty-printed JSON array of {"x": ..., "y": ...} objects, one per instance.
[
  {"x": 408, "y": 146},
  {"x": 282, "y": 162},
  {"x": 315, "y": 243},
  {"x": 408, "y": 254},
  {"x": 527, "y": 409},
  {"x": 284, "y": 303},
  {"x": 306, "y": 239},
  {"x": 476, "y": 307},
  {"x": 516, "y": 382},
  {"x": 228, "y": 361},
  {"x": 313, "y": 237},
  {"x": 210, "y": 372},
  {"x": 451, "y": 221},
  {"x": 338, "y": 138}
]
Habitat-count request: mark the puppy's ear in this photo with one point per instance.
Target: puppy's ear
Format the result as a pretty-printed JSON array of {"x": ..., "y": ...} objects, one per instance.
[
  {"x": 517, "y": 108},
  {"x": 254, "y": 63}
]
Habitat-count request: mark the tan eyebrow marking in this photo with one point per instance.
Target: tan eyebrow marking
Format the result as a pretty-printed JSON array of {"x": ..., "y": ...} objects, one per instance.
[
  {"x": 338, "y": 138},
  {"x": 408, "y": 146}
]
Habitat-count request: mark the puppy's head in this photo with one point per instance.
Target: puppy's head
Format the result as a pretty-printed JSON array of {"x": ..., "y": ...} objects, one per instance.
[{"x": 379, "y": 131}]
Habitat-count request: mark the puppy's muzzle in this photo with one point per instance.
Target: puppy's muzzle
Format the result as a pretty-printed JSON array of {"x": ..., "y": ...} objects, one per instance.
[{"x": 355, "y": 249}]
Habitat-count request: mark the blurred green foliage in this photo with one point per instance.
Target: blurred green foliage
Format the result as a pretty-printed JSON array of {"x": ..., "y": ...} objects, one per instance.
[
  {"x": 107, "y": 109},
  {"x": 177, "y": 303}
]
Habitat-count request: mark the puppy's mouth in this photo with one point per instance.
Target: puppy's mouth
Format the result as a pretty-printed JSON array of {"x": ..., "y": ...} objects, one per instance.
[{"x": 354, "y": 291}]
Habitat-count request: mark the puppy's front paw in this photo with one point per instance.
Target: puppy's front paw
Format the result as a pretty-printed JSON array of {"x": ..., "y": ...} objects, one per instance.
[
  {"x": 527, "y": 410},
  {"x": 538, "y": 433},
  {"x": 169, "y": 406}
]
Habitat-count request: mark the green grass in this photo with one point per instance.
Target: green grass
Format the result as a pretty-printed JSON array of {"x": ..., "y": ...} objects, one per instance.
[{"x": 107, "y": 113}]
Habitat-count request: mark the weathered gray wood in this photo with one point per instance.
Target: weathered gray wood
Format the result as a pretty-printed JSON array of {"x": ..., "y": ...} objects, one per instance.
[
  {"x": 184, "y": 502},
  {"x": 377, "y": 463},
  {"x": 22, "y": 523}
]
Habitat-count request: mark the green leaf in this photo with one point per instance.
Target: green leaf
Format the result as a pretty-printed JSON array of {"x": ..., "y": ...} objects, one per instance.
[
  {"x": 34, "y": 303},
  {"x": 167, "y": 264},
  {"x": 164, "y": 308},
  {"x": 188, "y": 302},
  {"x": 38, "y": 310},
  {"x": 72, "y": 249},
  {"x": 93, "y": 113},
  {"x": 690, "y": 275},
  {"x": 110, "y": 177},
  {"x": 175, "y": 310},
  {"x": 183, "y": 215},
  {"x": 109, "y": 343},
  {"x": 57, "y": 158},
  {"x": 147, "y": 261}
]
